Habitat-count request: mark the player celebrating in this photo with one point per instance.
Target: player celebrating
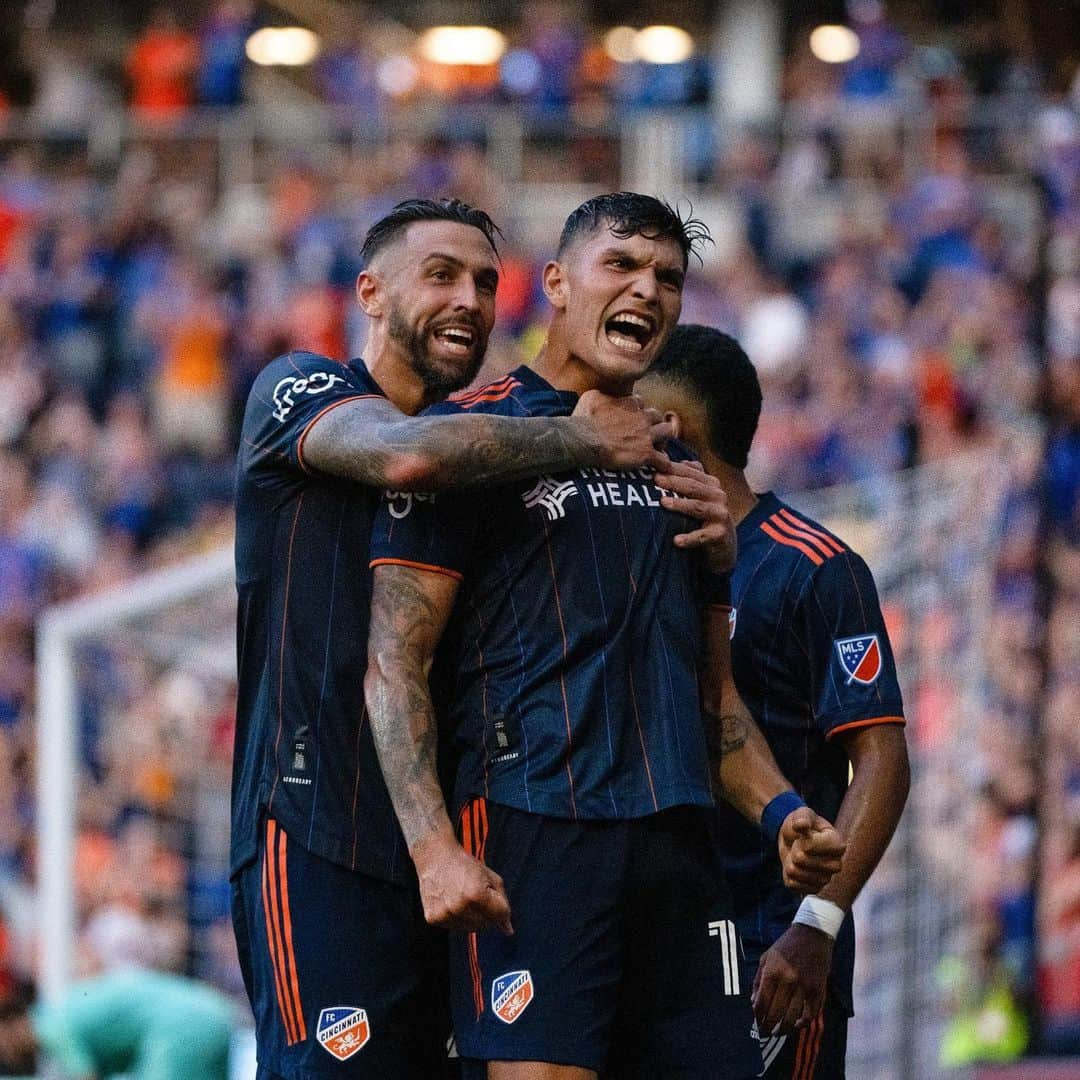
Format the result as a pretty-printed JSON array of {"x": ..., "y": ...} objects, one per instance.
[
  {"x": 813, "y": 664},
  {"x": 573, "y": 652},
  {"x": 331, "y": 938}
]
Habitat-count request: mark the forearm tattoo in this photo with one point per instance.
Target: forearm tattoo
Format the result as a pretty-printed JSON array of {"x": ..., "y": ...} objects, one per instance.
[
  {"x": 436, "y": 452},
  {"x": 725, "y": 733},
  {"x": 399, "y": 704}
]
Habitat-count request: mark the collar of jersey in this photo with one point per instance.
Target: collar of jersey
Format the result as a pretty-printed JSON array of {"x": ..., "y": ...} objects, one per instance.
[
  {"x": 767, "y": 504},
  {"x": 358, "y": 367},
  {"x": 531, "y": 381}
]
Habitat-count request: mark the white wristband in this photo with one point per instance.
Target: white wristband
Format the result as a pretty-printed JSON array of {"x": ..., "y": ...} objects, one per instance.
[{"x": 821, "y": 914}]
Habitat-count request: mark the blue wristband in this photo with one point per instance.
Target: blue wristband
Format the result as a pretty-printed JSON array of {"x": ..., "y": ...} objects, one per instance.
[{"x": 775, "y": 814}]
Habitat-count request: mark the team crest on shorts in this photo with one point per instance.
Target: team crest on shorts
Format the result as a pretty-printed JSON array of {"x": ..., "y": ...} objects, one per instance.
[
  {"x": 343, "y": 1030},
  {"x": 860, "y": 657},
  {"x": 511, "y": 994}
]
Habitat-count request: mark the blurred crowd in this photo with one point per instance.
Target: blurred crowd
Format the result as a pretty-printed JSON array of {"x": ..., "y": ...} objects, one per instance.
[{"x": 939, "y": 314}]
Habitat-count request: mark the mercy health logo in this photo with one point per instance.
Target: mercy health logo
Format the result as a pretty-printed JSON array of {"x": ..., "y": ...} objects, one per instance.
[
  {"x": 860, "y": 657},
  {"x": 343, "y": 1030},
  {"x": 291, "y": 387},
  {"x": 551, "y": 494},
  {"x": 511, "y": 994}
]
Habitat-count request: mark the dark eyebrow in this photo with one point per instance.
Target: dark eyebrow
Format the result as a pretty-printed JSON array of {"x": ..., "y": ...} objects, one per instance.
[
  {"x": 442, "y": 256},
  {"x": 616, "y": 252}
]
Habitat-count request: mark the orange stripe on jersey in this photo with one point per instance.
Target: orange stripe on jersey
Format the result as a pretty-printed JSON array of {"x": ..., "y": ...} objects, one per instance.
[
  {"x": 293, "y": 986},
  {"x": 445, "y": 571},
  {"x": 281, "y": 648},
  {"x": 319, "y": 415},
  {"x": 474, "y": 840},
  {"x": 507, "y": 382},
  {"x": 873, "y": 720},
  {"x": 836, "y": 546},
  {"x": 562, "y": 677},
  {"x": 270, "y": 917},
  {"x": 809, "y": 552},
  {"x": 800, "y": 534},
  {"x": 641, "y": 739},
  {"x": 812, "y": 1066},
  {"x": 500, "y": 396}
]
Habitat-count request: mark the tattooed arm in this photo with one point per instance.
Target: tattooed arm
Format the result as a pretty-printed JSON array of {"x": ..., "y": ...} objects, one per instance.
[
  {"x": 409, "y": 611},
  {"x": 372, "y": 442},
  {"x": 746, "y": 771}
]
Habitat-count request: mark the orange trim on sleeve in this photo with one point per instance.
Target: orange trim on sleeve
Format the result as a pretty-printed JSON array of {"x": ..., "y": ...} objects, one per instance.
[
  {"x": 445, "y": 571},
  {"x": 319, "y": 415},
  {"x": 866, "y": 723}
]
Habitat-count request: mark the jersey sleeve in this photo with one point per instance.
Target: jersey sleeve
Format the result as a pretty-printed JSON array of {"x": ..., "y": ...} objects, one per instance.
[
  {"x": 289, "y": 395},
  {"x": 426, "y": 531},
  {"x": 853, "y": 679}
]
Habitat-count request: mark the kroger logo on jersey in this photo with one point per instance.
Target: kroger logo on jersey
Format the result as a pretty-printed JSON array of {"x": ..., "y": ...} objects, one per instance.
[
  {"x": 511, "y": 994},
  {"x": 860, "y": 657},
  {"x": 290, "y": 388},
  {"x": 343, "y": 1030},
  {"x": 601, "y": 487}
]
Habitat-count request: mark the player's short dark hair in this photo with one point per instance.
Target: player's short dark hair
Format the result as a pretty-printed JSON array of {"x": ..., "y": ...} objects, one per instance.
[
  {"x": 388, "y": 228},
  {"x": 626, "y": 214},
  {"x": 713, "y": 366}
]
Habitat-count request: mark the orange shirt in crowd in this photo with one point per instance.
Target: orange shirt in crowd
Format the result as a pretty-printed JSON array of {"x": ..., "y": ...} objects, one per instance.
[{"x": 160, "y": 67}]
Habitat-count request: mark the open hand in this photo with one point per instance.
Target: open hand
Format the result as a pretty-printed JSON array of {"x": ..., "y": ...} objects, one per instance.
[
  {"x": 789, "y": 988},
  {"x": 696, "y": 494}
]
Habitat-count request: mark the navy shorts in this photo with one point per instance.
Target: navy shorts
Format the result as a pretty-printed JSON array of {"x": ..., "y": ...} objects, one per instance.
[
  {"x": 815, "y": 1052},
  {"x": 624, "y": 957},
  {"x": 344, "y": 976}
]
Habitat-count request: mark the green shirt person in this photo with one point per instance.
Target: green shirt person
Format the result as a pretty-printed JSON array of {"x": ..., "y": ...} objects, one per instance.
[{"x": 142, "y": 1025}]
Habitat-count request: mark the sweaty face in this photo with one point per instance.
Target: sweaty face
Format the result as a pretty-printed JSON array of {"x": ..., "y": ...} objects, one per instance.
[
  {"x": 622, "y": 300},
  {"x": 440, "y": 281}
]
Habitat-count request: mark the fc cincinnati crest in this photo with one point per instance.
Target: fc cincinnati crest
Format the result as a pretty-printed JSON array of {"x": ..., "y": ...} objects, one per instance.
[
  {"x": 343, "y": 1030},
  {"x": 511, "y": 994},
  {"x": 860, "y": 657}
]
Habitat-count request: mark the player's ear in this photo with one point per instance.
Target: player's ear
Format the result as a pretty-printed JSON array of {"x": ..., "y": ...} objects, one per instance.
[
  {"x": 554, "y": 282},
  {"x": 675, "y": 420},
  {"x": 370, "y": 294}
]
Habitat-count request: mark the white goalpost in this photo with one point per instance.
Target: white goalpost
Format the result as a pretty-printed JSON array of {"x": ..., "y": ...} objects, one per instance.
[{"x": 59, "y": 632}]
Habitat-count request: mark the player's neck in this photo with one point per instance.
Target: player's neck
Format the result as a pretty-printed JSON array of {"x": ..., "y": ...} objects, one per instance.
[
  {"x": 558, "y": 366},
  {"x": 397, "y": 379},
  {"x": 740, "y": 497}
]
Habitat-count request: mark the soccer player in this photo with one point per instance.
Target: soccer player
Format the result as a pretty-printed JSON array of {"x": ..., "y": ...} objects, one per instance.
[
  {"x": 144, "y": 1025},
  {"x": 813, "y": 664},
  {"x": 332, "y": 941},
  {"x": 573, "y": 654}
]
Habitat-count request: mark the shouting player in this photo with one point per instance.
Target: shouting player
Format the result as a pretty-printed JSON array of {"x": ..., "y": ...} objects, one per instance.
[
  {"x": 332, "y": 941},
  {"x": 813, "y": 664},
  {"x": 573, "y": 655}
]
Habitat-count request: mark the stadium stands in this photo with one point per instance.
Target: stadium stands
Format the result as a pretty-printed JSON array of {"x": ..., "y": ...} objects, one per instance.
[{"x": 930, "y": 307}]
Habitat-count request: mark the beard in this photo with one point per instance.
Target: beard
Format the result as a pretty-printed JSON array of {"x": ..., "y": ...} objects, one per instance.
[{"x": 440, "y": 377}]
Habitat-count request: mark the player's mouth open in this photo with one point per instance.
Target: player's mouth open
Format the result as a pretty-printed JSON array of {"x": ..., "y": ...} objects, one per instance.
[
  {"x": 457, "y": 339},
  {"x": 629, "y": 332}
]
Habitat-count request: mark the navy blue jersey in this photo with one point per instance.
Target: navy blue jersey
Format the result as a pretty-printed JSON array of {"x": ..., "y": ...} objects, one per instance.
[
  {"x": 575, "y": 643},
  {"x": 811, "y": 659},
  {"x": 304, "y": 751}
]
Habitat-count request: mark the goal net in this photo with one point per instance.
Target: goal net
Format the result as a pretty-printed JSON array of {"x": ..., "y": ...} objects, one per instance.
[{"x": 136, "y": 692}]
